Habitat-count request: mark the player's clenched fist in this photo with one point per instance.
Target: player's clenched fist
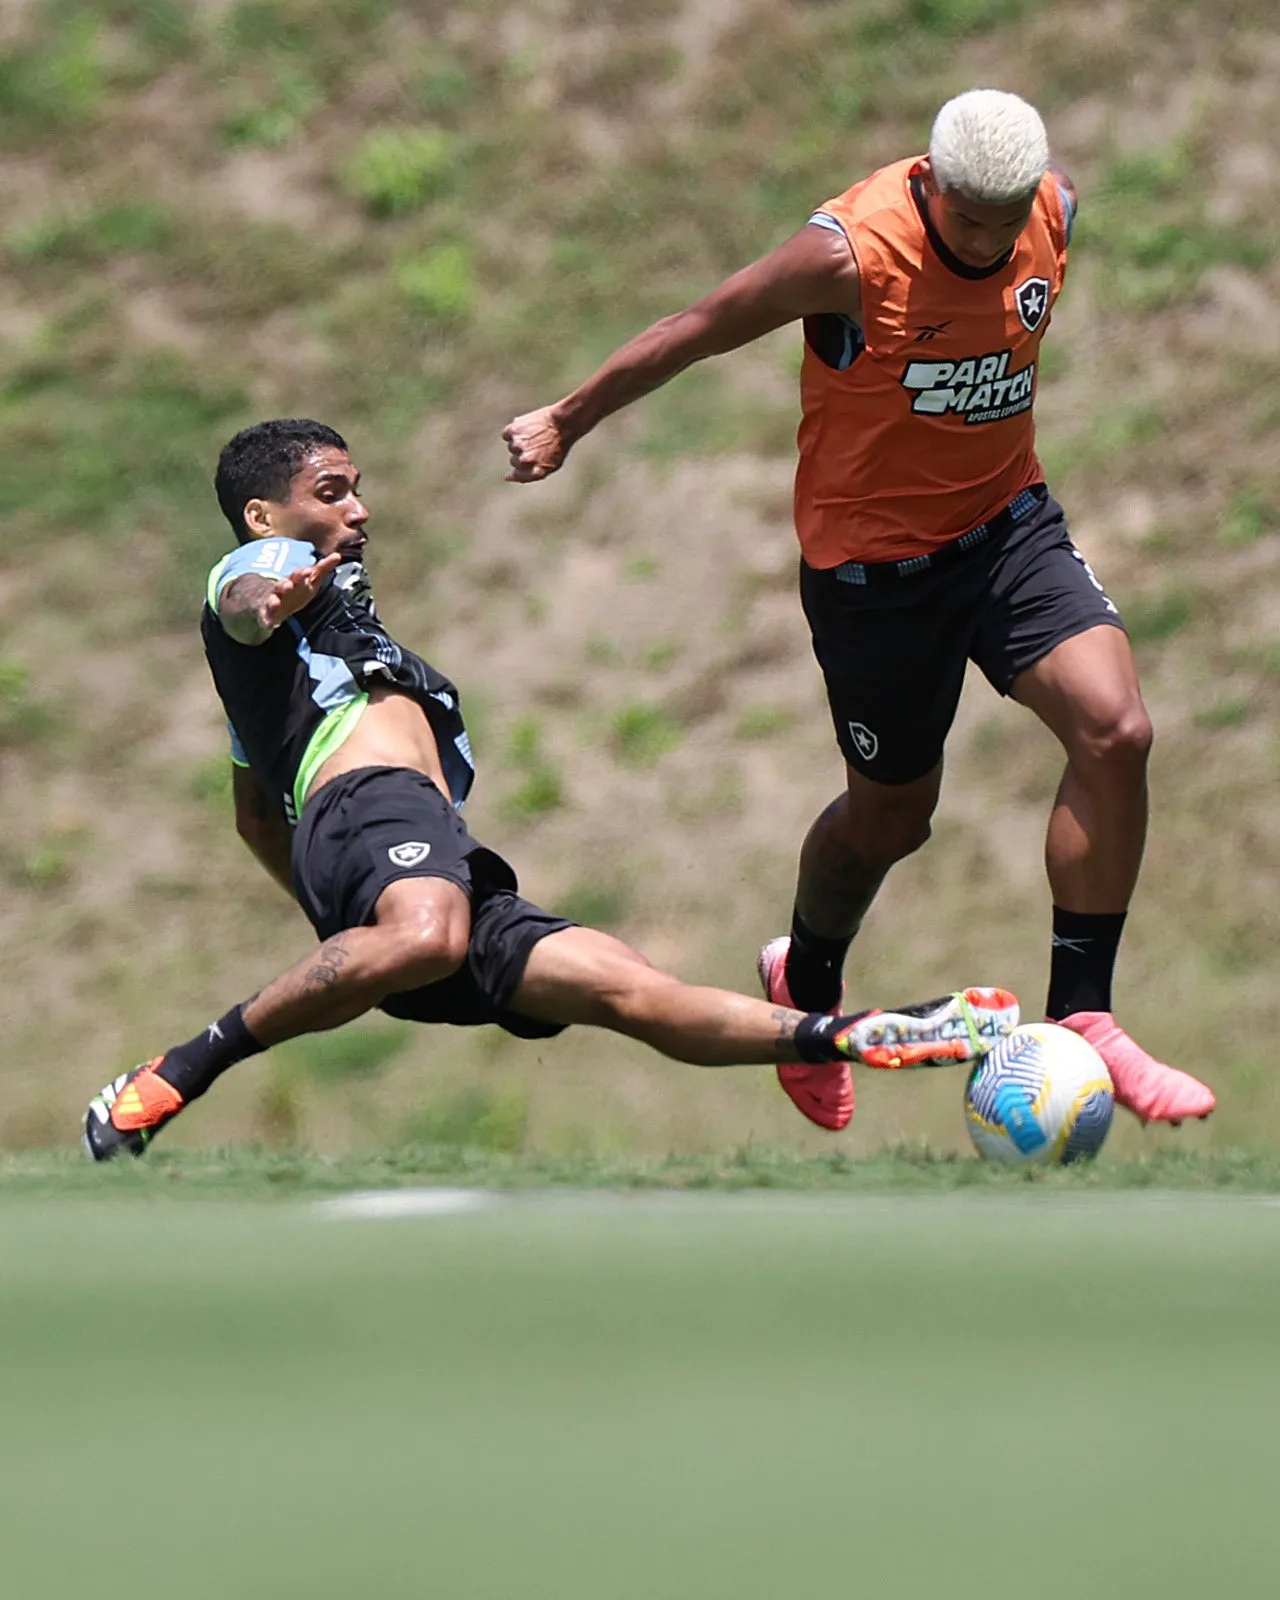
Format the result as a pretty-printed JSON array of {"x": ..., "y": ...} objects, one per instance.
[{"x": 536, "y": 445}]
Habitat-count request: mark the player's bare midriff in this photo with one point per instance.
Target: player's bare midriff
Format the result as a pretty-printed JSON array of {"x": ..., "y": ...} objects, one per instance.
[{"x": 393, "y": 732}]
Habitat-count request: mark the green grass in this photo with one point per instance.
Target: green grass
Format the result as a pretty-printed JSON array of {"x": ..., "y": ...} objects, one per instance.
[
  {"x": 540, "y": 787},
  {"x": 400, "y": 169},
  {"x": 360, "y": 1051},
  {"x": 1151, "y": 619},
  {"x": 601, "y": 903},
  {"x": 1247, "y": 516},
  {"x": 80, "y": 239},
  {"x": 762, "y": 722},
  {"x": 24, "y": 717},
  {"x": 472, "y": 1119},
  {"x": 273, "y": 123},
  {"x": 1153, "y": 233},
  {"x": 450, "y": 1152},
  {"x": 963, "y": 1395},
  {"x": 1226, "y": 713},
  {"x": 642, "y": 734}
]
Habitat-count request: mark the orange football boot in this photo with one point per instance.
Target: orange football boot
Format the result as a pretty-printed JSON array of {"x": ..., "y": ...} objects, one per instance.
[{"x": 129, "y": 1111}]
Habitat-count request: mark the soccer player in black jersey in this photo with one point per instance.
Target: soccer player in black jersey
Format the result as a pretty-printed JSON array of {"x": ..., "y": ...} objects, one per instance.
[{"x": 351, "y": 763}]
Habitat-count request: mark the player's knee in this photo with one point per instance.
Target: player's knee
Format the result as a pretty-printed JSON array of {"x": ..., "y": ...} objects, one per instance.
[
  {"x": 912, "y": 834},
  {"x": 1135, "y": 735},
  {"x": 632, "y": 992},
  {"x": 1122, "y": 742},
  {"x": 890, "y": 831},
  {"x": 427, "y": 951}
]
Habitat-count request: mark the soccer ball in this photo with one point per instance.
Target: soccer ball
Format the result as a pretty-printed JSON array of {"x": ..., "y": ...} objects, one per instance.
[{"x": 1042, "y": 1096}]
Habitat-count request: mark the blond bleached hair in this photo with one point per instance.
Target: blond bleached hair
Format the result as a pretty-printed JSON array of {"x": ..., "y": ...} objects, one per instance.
[{"x": 989, "y": 145}]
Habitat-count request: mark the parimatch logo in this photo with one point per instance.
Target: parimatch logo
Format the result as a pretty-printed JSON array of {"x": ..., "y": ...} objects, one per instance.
[{"x": 979, "y": 389}]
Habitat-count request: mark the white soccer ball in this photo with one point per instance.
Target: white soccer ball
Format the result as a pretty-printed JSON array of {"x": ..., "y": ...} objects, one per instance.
[{"x": 1041, "y": 1097}]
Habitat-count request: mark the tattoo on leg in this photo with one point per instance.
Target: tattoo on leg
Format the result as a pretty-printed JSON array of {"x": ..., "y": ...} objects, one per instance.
[
  {"x": 327, "y": 967},
  {"x": 787, "y": 1022}
]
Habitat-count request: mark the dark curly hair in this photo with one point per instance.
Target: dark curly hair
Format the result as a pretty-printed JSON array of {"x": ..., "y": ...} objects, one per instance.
[{"x": 262, "y": 461}]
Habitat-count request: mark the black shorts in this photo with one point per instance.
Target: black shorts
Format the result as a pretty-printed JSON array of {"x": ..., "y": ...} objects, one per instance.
[
  {"x": 371, "y": 827},
  {"x": 893, "y": 648}
]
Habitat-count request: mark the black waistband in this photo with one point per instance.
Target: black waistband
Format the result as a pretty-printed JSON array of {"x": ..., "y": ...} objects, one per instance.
[
  {"x": 356, "y": 777},
  {"x": 872, "y": 572}
]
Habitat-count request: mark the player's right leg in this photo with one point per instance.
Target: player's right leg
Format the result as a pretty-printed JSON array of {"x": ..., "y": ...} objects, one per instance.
[
  {"x": 893, "y": 654},
  {"x": 580, "y": 975},
  {"x": 844, "y": 859}
]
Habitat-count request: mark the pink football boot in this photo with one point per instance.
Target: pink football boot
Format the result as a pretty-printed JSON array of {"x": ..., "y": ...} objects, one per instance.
[
  {"x": 824, "y": 1092},
  {"x": 1153, "y": 1091}
]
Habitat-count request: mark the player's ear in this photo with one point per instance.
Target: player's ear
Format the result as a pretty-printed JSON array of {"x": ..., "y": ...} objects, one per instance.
[
  {"x": 257, "y": 518},
  {"x": 927, "y": 178}
]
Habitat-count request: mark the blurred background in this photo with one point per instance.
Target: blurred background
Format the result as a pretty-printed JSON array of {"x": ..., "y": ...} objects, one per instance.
[{"x": 415, "y": 220}]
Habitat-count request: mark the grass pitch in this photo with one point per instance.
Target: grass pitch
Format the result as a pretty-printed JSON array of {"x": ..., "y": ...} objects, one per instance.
[{"x": 1007, "y": 1391}]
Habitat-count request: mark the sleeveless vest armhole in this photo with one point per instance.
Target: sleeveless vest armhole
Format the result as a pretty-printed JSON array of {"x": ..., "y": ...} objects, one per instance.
[
  {"x": 824, "y": 219},
  {"x": 1059, "y": 217},
  {"x": 834, "y": 338},
  {"x": 829, "y": 216},
  {"x": 1068, "y": 213},
  {"x": 866, "y": 258},
  {"x": 212, "y": 588}
]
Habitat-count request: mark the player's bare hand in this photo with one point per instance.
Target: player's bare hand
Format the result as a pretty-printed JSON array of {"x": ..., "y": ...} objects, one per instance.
[
  {"x": 289, "y": 595},
  {"x": 536, "y": 444}
]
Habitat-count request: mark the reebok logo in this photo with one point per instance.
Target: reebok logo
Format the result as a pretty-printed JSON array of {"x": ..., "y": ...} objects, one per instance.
[{"x": 979, "y": 389}]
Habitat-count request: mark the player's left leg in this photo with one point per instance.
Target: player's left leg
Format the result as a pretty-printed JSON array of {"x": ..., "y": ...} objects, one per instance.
[
  {"x": 1050, "y": 637},
  {"x": 418, "y": 937},
  {"x": 390, "y": 917},
  {"x": 1085, "y": 690},
  {"x": 580, "y": 975}
]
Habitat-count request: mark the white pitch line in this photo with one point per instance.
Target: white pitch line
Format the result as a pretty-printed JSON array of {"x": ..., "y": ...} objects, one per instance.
[
  {"x": 393, "y": 1204},
  {"x": 384, "y": 1204}
]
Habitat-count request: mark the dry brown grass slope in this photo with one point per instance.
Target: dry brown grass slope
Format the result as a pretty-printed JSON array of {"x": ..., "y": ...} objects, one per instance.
[{"x": 416, "y": 220}]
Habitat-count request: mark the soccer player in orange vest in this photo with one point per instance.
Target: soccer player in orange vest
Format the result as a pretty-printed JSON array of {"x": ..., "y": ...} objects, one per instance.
[{"x": 929, "y": 539}]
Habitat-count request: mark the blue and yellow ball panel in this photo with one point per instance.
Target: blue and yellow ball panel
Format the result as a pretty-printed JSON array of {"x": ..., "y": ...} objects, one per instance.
[{"x": 1042, "y": 1096}]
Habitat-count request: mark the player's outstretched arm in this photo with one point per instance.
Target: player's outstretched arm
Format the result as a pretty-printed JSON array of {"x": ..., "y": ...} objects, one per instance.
[
  {"x": 251, "y": 608},
  {"x": 261, "y": 825},
  {"x": 812, "y": 272}
]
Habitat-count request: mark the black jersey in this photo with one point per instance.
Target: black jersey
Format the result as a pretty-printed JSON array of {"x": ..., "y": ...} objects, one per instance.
[{"x": 292, "y": 700}]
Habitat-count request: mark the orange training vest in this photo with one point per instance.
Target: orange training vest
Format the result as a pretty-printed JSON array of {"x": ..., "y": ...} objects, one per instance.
[{"x": 928, "y": 431}]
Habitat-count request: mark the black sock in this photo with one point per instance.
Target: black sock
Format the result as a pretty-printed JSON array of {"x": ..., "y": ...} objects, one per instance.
[
  {"x": 1082, "y": 962},
  {"x": 813, "y": 967},
  {"x": 193, "y": 1066},
  {"x": 815, "y": 1035}
]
